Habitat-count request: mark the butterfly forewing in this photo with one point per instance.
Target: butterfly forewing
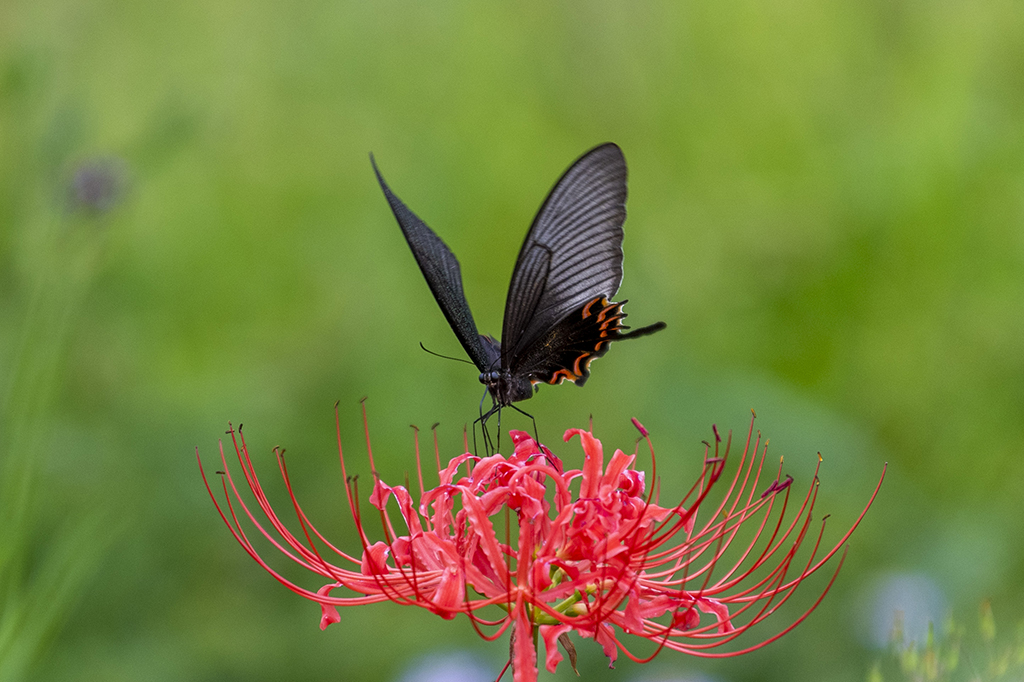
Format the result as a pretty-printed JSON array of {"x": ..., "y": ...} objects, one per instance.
[
  {"x": 441, "y": 269},
  {"x": 578, "y": 230}
]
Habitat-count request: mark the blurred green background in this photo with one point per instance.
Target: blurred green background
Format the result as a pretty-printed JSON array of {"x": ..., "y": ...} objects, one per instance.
[{"x": 826, "y": 207}]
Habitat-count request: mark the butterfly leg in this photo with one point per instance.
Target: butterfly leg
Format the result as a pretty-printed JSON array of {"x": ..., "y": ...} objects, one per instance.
[
  {"x": 536, "y": 436},
  {"x": 489, "y": 446},
  {"x": 497, "y": 445},
  {"x": 526, "y": 414},
  {"x": 475, "y": 450}
]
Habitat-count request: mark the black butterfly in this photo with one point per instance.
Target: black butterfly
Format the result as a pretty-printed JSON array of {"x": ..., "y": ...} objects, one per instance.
[{"x": 558, "y": 316}]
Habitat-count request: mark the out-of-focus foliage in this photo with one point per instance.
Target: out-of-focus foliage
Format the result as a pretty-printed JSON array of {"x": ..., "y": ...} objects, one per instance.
[
  {"x": 39, "y": 579},
  {"x": 978, "y": 654},
  {"x": 826, "y": 207}
]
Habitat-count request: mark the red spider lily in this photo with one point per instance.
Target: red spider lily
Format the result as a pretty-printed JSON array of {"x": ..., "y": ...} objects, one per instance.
[{"x": 518, "y": 542}]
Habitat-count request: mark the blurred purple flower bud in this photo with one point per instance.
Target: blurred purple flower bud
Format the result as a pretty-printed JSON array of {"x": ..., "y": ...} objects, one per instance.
[{"x": 98, "y": 184}]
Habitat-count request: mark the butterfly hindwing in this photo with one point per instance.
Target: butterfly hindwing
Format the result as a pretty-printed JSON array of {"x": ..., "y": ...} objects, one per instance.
[
  {"x": 441, "y": 269},
  {"x": 567, "y": 349}
]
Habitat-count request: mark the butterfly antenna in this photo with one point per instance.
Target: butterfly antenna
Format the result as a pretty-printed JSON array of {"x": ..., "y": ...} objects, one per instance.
[{"x": 446, "y": 357}]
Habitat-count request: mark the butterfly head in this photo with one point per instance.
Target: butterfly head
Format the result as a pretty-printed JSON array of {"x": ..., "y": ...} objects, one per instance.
[{"x": 506, "y": 388}]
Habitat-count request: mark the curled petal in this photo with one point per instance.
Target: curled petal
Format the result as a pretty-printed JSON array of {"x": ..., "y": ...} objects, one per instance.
[
  {"x": 616, "y": 470},
  {"x": 685, "y": 617},
  {"x": 550, "y": 635},
  {"x": 381, "y": 493},
  {"x": 605, "y": 636},
  {"x": 449, "y": 593},
  {"x": 375, "y": 559},
  {"x": 720, "y": 611},
  {"x": 593, "y": 462},
  {"x": 328, "y": 612},
  {"x": 524, "y": 655},
  {"x": 631, "y": 483}
]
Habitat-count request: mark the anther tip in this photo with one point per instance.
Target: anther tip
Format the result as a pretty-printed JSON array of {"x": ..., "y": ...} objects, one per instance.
[{"x": 640, "y": 427}]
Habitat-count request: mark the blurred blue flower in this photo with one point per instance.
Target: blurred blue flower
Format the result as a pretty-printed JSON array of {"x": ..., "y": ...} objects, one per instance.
[
  {"x": 914, "y": 597},
  {"x": 678, "y": 677},
  {"x": 452, "y": 666}
]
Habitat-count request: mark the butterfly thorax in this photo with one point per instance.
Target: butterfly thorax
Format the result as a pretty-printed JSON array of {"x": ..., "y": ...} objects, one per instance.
[{"x": 506, "y": 388}]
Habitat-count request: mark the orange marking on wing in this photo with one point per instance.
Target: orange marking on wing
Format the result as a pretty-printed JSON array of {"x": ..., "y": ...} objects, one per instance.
[
  {"x": 576, "y": 365},
  {"x": 560, "y": 376},
  {"x": 611, "y": 312},
  {"x": 610, "y": 325},
  {"x": 587, "y": 307}
]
